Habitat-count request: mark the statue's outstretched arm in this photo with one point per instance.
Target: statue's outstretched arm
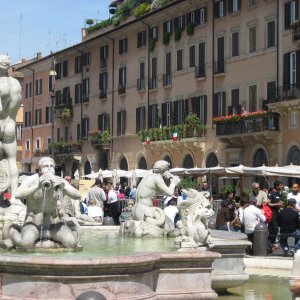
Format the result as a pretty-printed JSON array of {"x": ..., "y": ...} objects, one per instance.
[{"x": 70, "y": 191}]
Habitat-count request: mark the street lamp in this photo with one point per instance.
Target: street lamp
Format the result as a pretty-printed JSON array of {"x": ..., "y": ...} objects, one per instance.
[{"x": 52, "y": 75}]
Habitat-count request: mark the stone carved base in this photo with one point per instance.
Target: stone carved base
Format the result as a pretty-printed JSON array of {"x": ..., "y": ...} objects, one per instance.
[{"x": 141, "y": 228}]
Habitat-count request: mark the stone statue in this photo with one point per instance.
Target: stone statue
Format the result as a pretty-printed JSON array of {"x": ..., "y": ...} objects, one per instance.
[
  {"x": 195, "y": 213},
  {"x": 10, "y": 101},
  {"x": 43, "y": 227},
  {"x": 148, "y": 219}
]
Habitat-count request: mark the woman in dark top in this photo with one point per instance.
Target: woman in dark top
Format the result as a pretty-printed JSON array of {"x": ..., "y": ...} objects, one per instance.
[{"x": 223, "y": 217}]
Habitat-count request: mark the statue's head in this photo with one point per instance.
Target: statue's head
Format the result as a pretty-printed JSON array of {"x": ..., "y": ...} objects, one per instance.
[
  {"x": 46, "y": 165},
  {"x": 161, "y": 166},
  {"x": 4, "y": 61}
]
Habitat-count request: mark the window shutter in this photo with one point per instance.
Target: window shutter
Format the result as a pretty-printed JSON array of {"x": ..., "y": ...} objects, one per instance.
[
  {"x": 217, "y": 10},
  {"x": 125, "y": 50},
  {"x": 164, "y": 114},
  {"x": 119, "y": 122},
  {"x": 298, "y": 68},
  {"x": 120, "y": 76},
  {"x": 188, "y": 19},
  {"x": 286, "y": 70},
  {"x": 99, "y": 122},
  {"x": 124, "y": 114},
  {"x": 176, "y": 104},
  {"x": 215, "y": 105},
  {"x": 205, "y": 110},
  {"x": 224, "y": 6},
  {"x": 205, "y": 14},
  {"x": 151, "y": 107},
  {"x": 137, "y": 119},
  {"x": 230, "y": 110},
  {"x": 239, "y": 5},
  {"x": 195, "y": 105},
  {"x": 138, "y": 40},
  {"x": 296, "y": 10},
  {"x": 186, "y": 107},
  {"x": 165, "y": 27},
  {"x": 197, "y": 16},
  {"x": 224, "y": 102},
  {"x": 230, "y": 4},
  {"x": 120, "y": 47},
  {"x": 287, "y": 15},
  {"x": 176, "y": 23},
  {"x": 183, "y": 22}
]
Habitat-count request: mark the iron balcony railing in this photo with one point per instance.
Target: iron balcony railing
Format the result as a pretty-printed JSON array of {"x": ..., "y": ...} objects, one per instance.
[
  {"x": 296, "y": 34},
  {"x": 219, "y": 66},
  {"x": 103, "y": 94},
  {"x": 269, "y": 122},
  {"x": 167, "y": 79},
  {"x": 103, "y": 62},
  {"x": 153, "y": 83},
  {"x": 283, "y": 93},
  {"x": 122, "y": 88},
  {"x": 140, "y": 84},
  {"x": 200, "y": 71}
]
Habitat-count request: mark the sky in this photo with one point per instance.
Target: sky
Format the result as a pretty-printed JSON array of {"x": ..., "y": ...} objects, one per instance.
[{"x": 33, "y": 26}]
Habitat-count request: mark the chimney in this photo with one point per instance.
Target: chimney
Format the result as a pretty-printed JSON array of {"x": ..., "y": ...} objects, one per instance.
[{"x": 39, "y": 55}]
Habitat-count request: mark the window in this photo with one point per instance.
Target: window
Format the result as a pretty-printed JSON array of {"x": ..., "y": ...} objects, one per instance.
[
  {"x": 252, "y": 98},
  {"x": 271, "y": 34},
  {"x": 48, "y": 114},
  {"x": 87, "y": 59},
  {"x": 290, "y": 13},
  {"x": 167, "y": 78},
  {"x": 19, "y": 132},
  {"x": 38, "y": 143},
  {"x": 179, "y": 23},
  {"x": 38, "y": 116},
  {"x": 154, "y": 33},
  {"x": 38, "y": 86},
  {"x": 121, "y": 122},
  {"x": 123, "y": 46},
  {"x": 199, "y": 107},
  {"x": 252, "y": 39},
  {"x": 191, "y": 18},
  {"x": 168, "y": 27},
  {"x": 27, "y": 144},
  {"x": 192, "y": 52},
  {"x": 122, "y": 80},
  {"x": 234, "y": 6},
  {"x": 141, "y": 39},
  {"x": 235, "y": 107},
  {"x": 180, "y": 111},
  {"x": 219, "y": 104},
  {"x": 85, "y": 128},
  {"x": 28, "y": 89},
  {"x": 66, "y": 95},
  {"x": 51, "y": 83},
  {"x": 235, "y": 44},
  {"x": 66, "y": 133},
  {"x": 220, "y": 9},
  {"x": 291, "y": 67},
  {"x": 179, "y": 66},
  {"x": 65, "y": 68},
  {"x": 103, "y": 84},
  {"x": 271, "y": 90},
  {"x": 153, "y": 81},
  {"x": 27, "y": 118},
  {"x": 103, "y": 56},
  {"x": 58, "y": 70},
  {"x": 153, "y": 118},
  {"x": 85, "y": 89},
  {"x": 103, "y": 121},
  {"x": 202, "y": 15},
  {"x": 200, "y": 72},
  {"x": 78, "y": 93},
  {"x": 167, "y": 114},
  {"x": 293, "y": 118},
  {"x": 140, "y": 118},
  {"x": 141, "y": 79},
  {"x": 58, "y": 137},
  {"x": 78, "y": 64},
  {"x": 220, "y": 63},
  {"x": 58, "y": 98}
]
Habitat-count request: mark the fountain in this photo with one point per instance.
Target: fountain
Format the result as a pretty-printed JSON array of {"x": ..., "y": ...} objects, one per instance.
[{"x": 36, "y": 274}]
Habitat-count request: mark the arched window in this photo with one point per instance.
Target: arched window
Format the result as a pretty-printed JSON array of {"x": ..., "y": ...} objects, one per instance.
[
  {"x": 142, "y": 163},
  {"x": 293, "y": 156},
  {"x": 169, "y": 160},
  {"x": 123, "y": 164},
  {"x": 188, "y": 162},
  {"x": 260, "y": 158},
  {"x": 211, "y": 160},
  {"x": 87, "y": 168}
]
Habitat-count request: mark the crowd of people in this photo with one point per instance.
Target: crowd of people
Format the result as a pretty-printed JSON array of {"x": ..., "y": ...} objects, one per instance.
[{"x": 272, "y": 207}]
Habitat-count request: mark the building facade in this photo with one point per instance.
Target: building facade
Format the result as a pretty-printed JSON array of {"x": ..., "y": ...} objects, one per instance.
[{"x": 139, "y": 80}]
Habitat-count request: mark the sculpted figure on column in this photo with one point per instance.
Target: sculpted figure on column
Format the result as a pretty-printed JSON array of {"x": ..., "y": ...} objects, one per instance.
[{"x": 10, "y": 101}]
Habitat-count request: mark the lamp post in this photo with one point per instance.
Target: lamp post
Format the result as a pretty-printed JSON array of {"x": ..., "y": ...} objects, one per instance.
[{"x": 52, "y": 75}]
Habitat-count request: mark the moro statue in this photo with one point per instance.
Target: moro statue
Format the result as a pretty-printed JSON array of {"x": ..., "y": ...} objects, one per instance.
[
  {"x": 149, "y": 220},
  {"x": 45, "y": 223}
]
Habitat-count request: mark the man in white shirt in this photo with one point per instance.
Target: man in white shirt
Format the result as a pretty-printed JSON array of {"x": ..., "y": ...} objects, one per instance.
[
  {"x": 294, "y": 194},
  {"x": 171, "y": 210}
]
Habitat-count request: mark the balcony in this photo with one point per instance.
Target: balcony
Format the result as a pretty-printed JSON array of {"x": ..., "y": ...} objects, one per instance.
[
  {"x": 122, "y": 88},
  {"x": 140, "y": 84},
  {"x": 103, "y": 94},
  {"x": 40, "y": 153},
  {"x": 200, "y": 71},
  {"x": 100, "y": 140},
  {"x": 219, "y": 66},
  {"x": 237, "y": 127},
  {"x": 85, "y": 98},
  {"x": 65, "y": 149},
  {"x": 167, "y": 80},
  {"x": 153, "y": 83}
]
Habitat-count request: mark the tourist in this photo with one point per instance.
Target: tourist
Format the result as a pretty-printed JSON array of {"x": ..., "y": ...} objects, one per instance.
[
  {"x": 171, "y": 210},
  {"x": 288, "y": 220},
  {"x": 132, "y": 194},
  {"x": 94, "y": 211},
  {"x": 231, "y": 205},
  {"x": 239, "y": 219},
  {"x": 204, "y": 188},
  {"x": 274, "y": 202},
  {"x": 251, "y": 217},
  {"x": 260, "y": 196},
  {"x": 294, "y": 194},
  {"x": 113, "y": 204},
  {"x": 97, "y": 193},
  {"x": 223, "y": 217}
]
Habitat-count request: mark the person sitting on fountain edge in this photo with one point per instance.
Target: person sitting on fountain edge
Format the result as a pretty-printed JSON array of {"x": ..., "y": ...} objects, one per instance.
[{"x": 42, "y": 192}]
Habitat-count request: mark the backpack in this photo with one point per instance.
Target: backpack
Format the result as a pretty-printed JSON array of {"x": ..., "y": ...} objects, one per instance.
[{"x": 268, "y": 212}]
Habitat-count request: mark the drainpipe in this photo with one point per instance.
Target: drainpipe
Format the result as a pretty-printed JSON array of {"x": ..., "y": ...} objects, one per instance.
[
  {"x": 32, "y": 111},
  {"x": 112, "y": 97},
  {"x": 148, "y": 74},
  {"x": 277, "y": 46},
  {"x": 213, "y": 57}
]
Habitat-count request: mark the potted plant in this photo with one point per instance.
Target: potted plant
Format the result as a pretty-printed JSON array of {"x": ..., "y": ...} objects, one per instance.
[
  {"x": 194, "y": 125},
  {"x": 190, "y": 28},
  {"x": 177, "y": 35},
  {"x": 166, "y": 38}
]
